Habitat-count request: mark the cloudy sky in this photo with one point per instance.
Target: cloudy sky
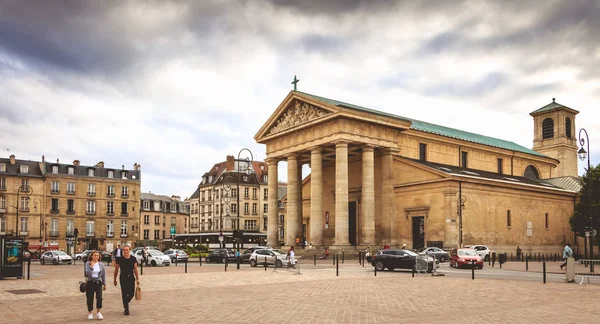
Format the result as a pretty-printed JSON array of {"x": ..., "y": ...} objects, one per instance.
[{"x": 176, "y": 86}]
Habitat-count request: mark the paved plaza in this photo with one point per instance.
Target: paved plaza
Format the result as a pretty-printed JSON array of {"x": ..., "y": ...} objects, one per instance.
[{"x": 208, "y": 294}]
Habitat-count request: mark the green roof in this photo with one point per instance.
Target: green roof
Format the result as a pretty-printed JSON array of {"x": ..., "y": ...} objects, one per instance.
[
  {"x": 437, "y": 129},
  {"x": 551, "y": 106}
]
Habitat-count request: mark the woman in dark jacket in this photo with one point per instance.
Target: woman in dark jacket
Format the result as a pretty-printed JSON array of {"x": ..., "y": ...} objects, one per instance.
[{"x": 96, "y": 283}]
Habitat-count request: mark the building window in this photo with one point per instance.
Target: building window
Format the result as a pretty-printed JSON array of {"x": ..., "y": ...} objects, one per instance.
[
  {"x": 123, "y": 208},
  {"x": 2, "y": 225},
  {"x": 70, "y": 171},
  {"x": 246, "y": 208},
  {"x": 2, "y": 202},
  {"x": 568, "y": 127},
  {"x": 156, "y": 205},
  {"x": 25, "y": 204},
  {"x": 70, "y": 227},
  {"x": 508, "y": 219},
  {"x": 266, "y": 194},
  {"x": 91, "y": 189},
  {"x": 70, "y": 188},
  {"x": 548, "y": 128},
  {"x": 146, "y": 205},
  {"x": 2, "y": 183},
  {"x": 24, "y": 225},
  {"x": 124, "y": 175},
  {"x": 246, "y": 193},
  {"x": 546, "y": 221},
  {"x": 422, "y": 151},
  {"x": 500, "y": 163},
  {"x": 55, "y": 169},
  {"x": 90, "y": 172},
  {"x": 70, "y": 206},
  {"x": 54, "y": 227},
  {"x": 281, "y": 218},
  {"x": 24, "y": 185},
  {"x": 123, "y": 228},
  {"x": 111, "y": 174},
  {"x": 281, "y": 232},
  {"x": 54, "y": 205},
  {"x": 2, "y": 167},
  {"x": 254, "y": 209},
  {"x": 265, "y": 222},
  {"x": 110, "y": 190},
  {"x": 254, "y": 193},
  {"x": 146, "y": 219},
  {"x": 110, "y": 207},
  {"x": 55, "y": 187},
  {"x": 250, "y": 225},
  {"x": 124, "y": 192},
  {"x": 156, "y": 234},
  {"x": 173, "y": 221},
  {"x": 156, "y": 220},
  {"x": 464, "y": 159},
  {"x": 90, "y": 228},
  {"x": 91, "y": 207},
  {"x": 234, "y": 193},
  {"x": 265, "y": 208},
  {"x": 24, "y": 169},
  {"x": 531, "y": 173},
  {"x": 234, "y": 208},
  {"x": 147, "y": 234},
  {"x": 172, "y": 208}
]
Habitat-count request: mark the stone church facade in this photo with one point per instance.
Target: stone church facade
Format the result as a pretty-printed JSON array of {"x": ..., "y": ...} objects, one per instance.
[{"x": 380, "y": 178}]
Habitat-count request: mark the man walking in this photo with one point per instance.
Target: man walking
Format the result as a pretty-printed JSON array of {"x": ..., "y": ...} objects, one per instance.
[
  {"x": 519, "y": 252},
  {"x": 117, "y": 253},
  {"x": 128, "y": 278},
  {"x": 567, "y": 253}
]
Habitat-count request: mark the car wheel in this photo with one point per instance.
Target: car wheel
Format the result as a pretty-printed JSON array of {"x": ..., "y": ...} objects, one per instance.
[
  {"x": 173, "y": 260},
  {"x": 253, "y": 263},
  {"x": 153, "y": 263},
  {"x": 486, "y": 258},
  {"x": 480, "y": 267},
  {"x": 430, "y": 268},
  {"x": 442, "y": 259},
  {"x": 78, "y": 258},
  {"x": 54, "y": 262},
  {"x": 379, "y": 266},
  {"x": 207, "y": 260},
  {"x": 279, "y": 264},
  {"x": 42, "y": 262}
]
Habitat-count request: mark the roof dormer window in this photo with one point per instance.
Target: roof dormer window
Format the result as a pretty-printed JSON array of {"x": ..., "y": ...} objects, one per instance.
[
  {"x": 24, "y": 169},
  {"x": 55, "y": 169},
  {"x": 91, "y": 172},
  {"x": 146, "y": 205},
  {"x": 71, "y": 171},
  {"x": 111, "y": 174},
  {"x": 124, "y": 175},
  {"x": 2, "y": 167}
]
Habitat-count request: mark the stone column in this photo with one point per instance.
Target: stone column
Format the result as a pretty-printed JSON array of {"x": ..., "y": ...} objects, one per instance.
[
  {"x": 272, "y": 228},
  {"x": 368, "y": 196},
  {"x": 388, "y": 206},
  {"x": 316, "y": 196},
  {"x": 291, "y": 223},
  {"x": 341, "y": 193},
  {"x": 300, "y": 212}
]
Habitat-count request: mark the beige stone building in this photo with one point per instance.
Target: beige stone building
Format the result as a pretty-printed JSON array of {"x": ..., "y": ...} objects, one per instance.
[
  {"x": 162, "y": 216},
  {"x": 73, "y": 207},
  {"x": 380, "y": 178}
]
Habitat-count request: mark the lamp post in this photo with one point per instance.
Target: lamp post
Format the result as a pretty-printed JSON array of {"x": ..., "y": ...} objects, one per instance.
[
  {"x": 582, "y": 156},
  {"x": 461, "y": 204},
  {"x": 225, "y": 202},
  {"x": 248, "y": 162},
  {"x": 28, "y": 192}
]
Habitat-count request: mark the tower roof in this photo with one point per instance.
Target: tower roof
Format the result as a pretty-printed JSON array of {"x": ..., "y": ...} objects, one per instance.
[{"x": 551, "y": 107}]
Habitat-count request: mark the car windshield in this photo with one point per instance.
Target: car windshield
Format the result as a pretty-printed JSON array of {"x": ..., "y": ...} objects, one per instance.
[
  {"x": 155, "y": 253},
  {"x": 60, "y": 253},
  {"x": 467, "y": 252},
  {"x": 411, "y": 253}
]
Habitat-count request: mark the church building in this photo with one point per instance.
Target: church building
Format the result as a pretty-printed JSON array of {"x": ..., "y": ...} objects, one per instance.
[{"x": 377, "y": 178}]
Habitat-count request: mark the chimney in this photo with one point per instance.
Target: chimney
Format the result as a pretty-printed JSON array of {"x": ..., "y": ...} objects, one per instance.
[
  {"x": 43, "y": 159},
  {"x": 12, "y": 159},
  {"x": 177, "y": 198},
  {"x": 230, "y": 164},
  {"x": 136, "y": 166},
  {"x": 76, "y": 162},
  {"x": 100, "y": 164},
  {"x": 122, "y": 166}
]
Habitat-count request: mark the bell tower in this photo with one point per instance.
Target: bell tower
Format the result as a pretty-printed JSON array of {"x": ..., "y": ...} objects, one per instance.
[{"x": 554, "y": 136}]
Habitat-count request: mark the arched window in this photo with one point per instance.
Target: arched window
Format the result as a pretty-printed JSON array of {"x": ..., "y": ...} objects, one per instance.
[
  {"x": 531, "y": 173},
  {"x": 548, "y": 128},
  {"x": 568, "y": 127}
]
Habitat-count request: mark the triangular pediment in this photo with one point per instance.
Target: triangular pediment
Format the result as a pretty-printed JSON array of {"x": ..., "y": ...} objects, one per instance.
[{"x": 294, "y": 113}]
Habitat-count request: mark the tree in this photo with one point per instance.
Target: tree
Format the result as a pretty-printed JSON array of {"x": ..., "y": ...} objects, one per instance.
[{"x": 587, "y": 209}]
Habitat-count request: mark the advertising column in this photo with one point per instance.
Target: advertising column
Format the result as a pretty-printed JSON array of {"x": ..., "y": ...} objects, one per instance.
[{"x": 12, "y": 258}]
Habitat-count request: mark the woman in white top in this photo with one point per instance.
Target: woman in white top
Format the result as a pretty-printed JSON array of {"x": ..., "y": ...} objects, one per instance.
[
  {"x": 291, "y": 257},
  {"x": 96, "y": 283}
]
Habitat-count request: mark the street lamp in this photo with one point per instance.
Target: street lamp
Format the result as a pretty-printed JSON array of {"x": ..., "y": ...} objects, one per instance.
[
  {"x": 225, "y": 202},
  {"x": 582, "y": 155},
  {"x": 248, "y": 162}
]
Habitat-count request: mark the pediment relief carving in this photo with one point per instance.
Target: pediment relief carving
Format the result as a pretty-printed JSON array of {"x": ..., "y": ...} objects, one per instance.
[{"x": 298, "y": 113}]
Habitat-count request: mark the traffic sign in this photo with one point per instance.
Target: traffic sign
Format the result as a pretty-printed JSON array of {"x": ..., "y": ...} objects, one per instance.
[{"x": 172, "y": 230}]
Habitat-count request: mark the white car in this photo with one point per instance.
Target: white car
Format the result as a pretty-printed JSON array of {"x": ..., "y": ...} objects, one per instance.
[
  {"x": 482, "y": 251},
  {"x": 55, "y": 257},
  {"x": 271, "y": 256},
  {"x": 155, "y": 258}
]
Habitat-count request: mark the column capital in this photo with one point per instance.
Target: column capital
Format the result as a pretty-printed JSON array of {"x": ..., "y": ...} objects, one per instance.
[
  {"x": 341, "y": 143},
  {"x": 315, "y": 149},
  {"x": 368, "y": 147},
  {"x": 272, "y": 161},
  {"x": 292, "y": 156}
]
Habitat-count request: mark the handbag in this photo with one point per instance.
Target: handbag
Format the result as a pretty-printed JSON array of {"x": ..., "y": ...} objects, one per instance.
[
  {"x": 138, "y": 292},
  {"x": 82, "y": 286}
]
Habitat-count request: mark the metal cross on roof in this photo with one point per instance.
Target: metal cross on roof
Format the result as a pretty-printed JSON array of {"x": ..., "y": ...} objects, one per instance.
[{"x": 295, "y": 82}]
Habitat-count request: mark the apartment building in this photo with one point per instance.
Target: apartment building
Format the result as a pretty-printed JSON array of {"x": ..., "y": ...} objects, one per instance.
[{"x": 161, "y": 217}]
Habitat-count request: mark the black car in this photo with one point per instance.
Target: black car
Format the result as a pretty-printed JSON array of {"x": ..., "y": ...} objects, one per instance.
[
  {"x": 399, "y": 259},
  {"x": 246, "y": 254},
  {"x": 106, "y": 257},
  {"x": 220, "y": 255}
]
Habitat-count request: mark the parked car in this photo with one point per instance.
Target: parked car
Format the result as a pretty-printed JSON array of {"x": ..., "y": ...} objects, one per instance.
[
  {"x": 82, "y": 255},
  {"x": 105, "y": 257},
  {"x": 399, "y": 259},
  {"x": 438, "y": 253},
  {"x": 139, "y": 248},
  {"x": 55, "y": 257},
  {"x": 220, "y": 255},
  {"x": 155, "y": 258},
  {"x": 246, "y": 254},
  {"x": 481, "y": 250},
  {"x": 270, "y": 256},
  {"x": 176, "y": 255},
  {"x": 464, "y": 257}
]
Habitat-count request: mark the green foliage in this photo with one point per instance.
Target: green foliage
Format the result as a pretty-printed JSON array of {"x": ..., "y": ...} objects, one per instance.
[
  {"x": 202, "y": 248},
  {"x": 587, "y": 209}
]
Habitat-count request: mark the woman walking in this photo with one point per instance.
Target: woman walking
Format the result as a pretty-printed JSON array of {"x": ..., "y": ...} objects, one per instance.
[
  {"x": 96, "y": 284},
  {"x": 128, "y": 278}
]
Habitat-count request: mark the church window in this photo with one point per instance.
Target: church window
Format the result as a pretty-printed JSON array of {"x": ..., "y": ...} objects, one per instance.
[
  {"x": 546, "y": 220},
  {"x": 548, "y": 128},
  {"x": 508, "y": 218},
  {"x": 531, "y": 173},
  {"x": 568, "y": 127},
  {"x": 500, "y": 161},
  {"x": 464, "y": 159},
  {"x": 422, "y": 151}
]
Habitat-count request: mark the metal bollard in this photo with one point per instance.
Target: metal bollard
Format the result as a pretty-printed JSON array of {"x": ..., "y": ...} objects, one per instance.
[
  {"x": 142, "y": 269},
  {"x": 265, "y": 263},
  {"x": 200, "y": 259},
  {"x": 359, "y": 257},
  {"x": 527, "y": 263},
  {"x": 363, "y": 259},
  {"x": 342, "y": 256},
  {"x": 337, "y": 265},
  {"x": 226, "y": 263},
  {"x": 315, "y": 259},
  {"x": 375, "y": 270},
  {"x": 334, "y": 259},
  {"x": 186, "y": 265},
  {"x": 175, "y": 259},
  {"x": 28, "y": 268},
  {"x": 544, "y": 269},
  {"x": 500, "y": 263},
  {"x": 413, "y": 268},
  {"x": 473, "y": 270}
]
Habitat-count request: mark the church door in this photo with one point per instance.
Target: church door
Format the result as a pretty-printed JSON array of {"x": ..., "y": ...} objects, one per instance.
[
  {"x": 352, "y": 222},
  {"x": 418, "y": 232}
]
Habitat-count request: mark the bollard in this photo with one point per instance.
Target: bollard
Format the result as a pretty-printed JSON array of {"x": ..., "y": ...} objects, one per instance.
[
  {"x": 544, "y": 269},
  {"x": 28, "y": 268},
  {"x": 500, "y": 263},
  {"x": 334, "y": 259},
  {"x": 315, "y": 259},
  {"x": 142, "y": 269},
  {"x": 375, "y": 270},
  {"x": 359, "y": 257},
  {"x": 363, "y": 259},
  {"x": 527, "y": 263},
  {"x": 200, "y": 259},
  {"x": 473, "y": 270},
  {"x": 186, "y": 265},
  {"x": 265, "y": 263},
  {"x": 337, "y": 265},
  {"x": 175, "y": 259},
  {"x": 413, "y": 268},
  {"x": 592, "y": 267},
  {"x": 342, "y": 256},
  {"x": 227, "y": 263},
  {"x": 238, "y": 263}
]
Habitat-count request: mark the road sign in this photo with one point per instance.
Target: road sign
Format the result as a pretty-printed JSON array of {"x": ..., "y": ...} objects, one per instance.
[
  {"x": 220, "y": 238},
  {"x": 172, "y": 230}
]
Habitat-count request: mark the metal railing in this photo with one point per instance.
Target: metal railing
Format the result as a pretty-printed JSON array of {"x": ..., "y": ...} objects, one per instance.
[{"x": 585, "y": 268}]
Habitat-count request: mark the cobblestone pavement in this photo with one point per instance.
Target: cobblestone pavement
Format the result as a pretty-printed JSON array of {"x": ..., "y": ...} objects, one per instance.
[{"x": 207, "y": 294}]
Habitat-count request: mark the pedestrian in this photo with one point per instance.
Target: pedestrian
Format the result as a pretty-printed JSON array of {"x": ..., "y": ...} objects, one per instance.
[
  {"x": 95, "y": 284},
  {"x": 297, "y": 242},
  {"x": 403, "y": 246},
  {"x": 519, "y": 252},
  {"x": 128, "y": 277},
  {"x": 117, "y": 253},
  {"x": 145, "y": 255},
  {"x": 291, "y": 258},
  {"x": 567, "y": 253},
  {"x": 368, "y": 254}
]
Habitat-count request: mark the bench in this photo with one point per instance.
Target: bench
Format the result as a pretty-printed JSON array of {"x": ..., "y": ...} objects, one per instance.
[{"x": 587, "y": 269}]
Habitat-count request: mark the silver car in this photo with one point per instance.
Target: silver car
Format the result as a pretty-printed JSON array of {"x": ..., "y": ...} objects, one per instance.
[
  {"x": 55, "y": 257},
  {"x": 179, "y": 254},
  {"x": 270, "y": 256}
]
